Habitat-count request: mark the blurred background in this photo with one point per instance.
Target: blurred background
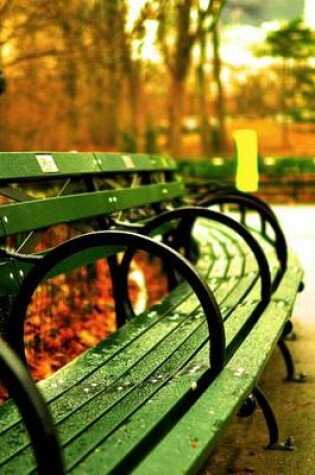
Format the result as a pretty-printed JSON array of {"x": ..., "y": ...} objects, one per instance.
[{"x": 174, "y": 76}]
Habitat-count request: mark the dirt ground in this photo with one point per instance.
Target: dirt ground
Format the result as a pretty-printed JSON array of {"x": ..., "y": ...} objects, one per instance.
[{"x": 241, "y": 450}]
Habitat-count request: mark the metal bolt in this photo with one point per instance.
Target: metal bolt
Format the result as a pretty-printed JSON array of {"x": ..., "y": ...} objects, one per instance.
[
  {"x": 11, "y": 275},
  {"x": 5, "y": 219}
]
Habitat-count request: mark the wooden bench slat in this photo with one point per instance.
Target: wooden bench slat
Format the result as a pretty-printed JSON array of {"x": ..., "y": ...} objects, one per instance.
[
  {"x": 186, "y": 448},
  {"x": 19, "y": 217},
  {"x": 134, "y": 162},
  {"x": 25, "y": 166},
  {"x": 28, "y": 166}
]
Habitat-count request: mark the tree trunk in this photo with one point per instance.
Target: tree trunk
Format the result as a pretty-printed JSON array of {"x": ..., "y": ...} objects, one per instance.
[
  {"x": 283, "y": 106},
  {"x": 71, "y": 76},
  {"x": 176, "y": 108},
  {"x": 110, "y": 126},
  {"x": 219, "y": 130},
  {"x": 2, "y": 107},
  {"x": 135, "y": 118},
  {"x": 104, "y": 107},
  {"x": 2, "y": 122},
  {"x": 202, "y": 98}
]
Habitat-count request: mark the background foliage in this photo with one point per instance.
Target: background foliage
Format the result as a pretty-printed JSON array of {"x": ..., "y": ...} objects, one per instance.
[{"x": 80, "y": 75}]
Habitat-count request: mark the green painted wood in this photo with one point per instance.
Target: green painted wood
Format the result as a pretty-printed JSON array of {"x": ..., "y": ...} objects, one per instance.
[
  {"x": 134, "y": 162},
  {"x": 146, "y": 417},
  {"x": 178, "y": 326},
  {"x": 188, "y": 445},
  {"x": 26, "y": 166},
  {"x": 147, "y": 393},
  {"x": 10, "y": 278},
  {"x": 15, "y": 166},
  {"x": 20, "y": 217}
]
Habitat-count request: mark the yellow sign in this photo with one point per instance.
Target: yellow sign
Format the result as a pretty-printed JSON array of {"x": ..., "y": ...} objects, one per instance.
[{"x": 246, "y": 148}]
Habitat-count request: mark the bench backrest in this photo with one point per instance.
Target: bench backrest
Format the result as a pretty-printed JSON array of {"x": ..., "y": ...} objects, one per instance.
[{"x": 82, "y": 190}]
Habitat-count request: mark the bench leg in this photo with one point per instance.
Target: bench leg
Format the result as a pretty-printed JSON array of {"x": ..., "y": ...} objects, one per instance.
[
  {"x": 288, "y": 333},
  {"x": 291, "y": 377},
  {"x": 272, "y": 424}
]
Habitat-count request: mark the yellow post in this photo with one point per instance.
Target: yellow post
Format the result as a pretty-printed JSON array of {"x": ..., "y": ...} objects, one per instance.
[{"x": 246, "y": 151}]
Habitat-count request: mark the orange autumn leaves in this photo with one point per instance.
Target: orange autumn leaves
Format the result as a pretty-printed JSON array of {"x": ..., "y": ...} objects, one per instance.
[
  {"x": 70, "y": 313},
  {"x": 66, "y": 316}
]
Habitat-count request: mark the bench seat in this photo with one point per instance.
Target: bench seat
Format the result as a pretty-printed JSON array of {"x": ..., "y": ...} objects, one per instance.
[{"x": 118, "y": 400}]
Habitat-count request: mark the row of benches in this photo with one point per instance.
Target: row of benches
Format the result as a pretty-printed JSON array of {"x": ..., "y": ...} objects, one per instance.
[{"x": 154, "y": 396}]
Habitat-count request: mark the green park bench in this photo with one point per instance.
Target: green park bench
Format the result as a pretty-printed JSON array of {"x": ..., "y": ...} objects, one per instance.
[{"x": 155, "y": 395}]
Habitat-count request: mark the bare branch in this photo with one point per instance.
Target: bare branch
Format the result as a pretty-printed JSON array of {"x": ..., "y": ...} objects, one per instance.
[
  {"x": 5, "y": 6},
  {"x": 33, "y": 56}
]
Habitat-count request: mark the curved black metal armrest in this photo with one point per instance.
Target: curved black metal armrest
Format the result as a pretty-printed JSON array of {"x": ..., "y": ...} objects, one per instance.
[
  {"x": 266, "y": 214},
  {"x": 228, "y": 190},
  {"x": 33, "y": 409},
  {"x": 232, "y": 191},
  {"x": 121, "y": 240},
  {"x": 191, "y": 213}
]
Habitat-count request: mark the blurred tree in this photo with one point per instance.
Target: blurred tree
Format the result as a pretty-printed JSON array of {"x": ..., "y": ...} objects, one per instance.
[
  {"x": 4, "y": 7},
  {"x": 177, "y": 33},
  {"x": 255, "y": 93},
  {"x": 294, "y": 43},
  {"x": 29, "y": 46},
  {"x": 76, "y": 80},
  {"x": 218, "y": 132},
  {"x": 176, "y": 41},
  {"x": 2, "y": 90},
  {"x": 116, "y": 72},
  {"x": 106, "y": 19},
  {"x": 202, "y": 87},
  {"x": 70, "y": 38},
  {"x": 2, "y": 82},
  {"x": 19, "y": 22},
  {"x": 214, "y": 132},
  {"x": 71, "y": 63},
  {"x": 301, "y": 96}
]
